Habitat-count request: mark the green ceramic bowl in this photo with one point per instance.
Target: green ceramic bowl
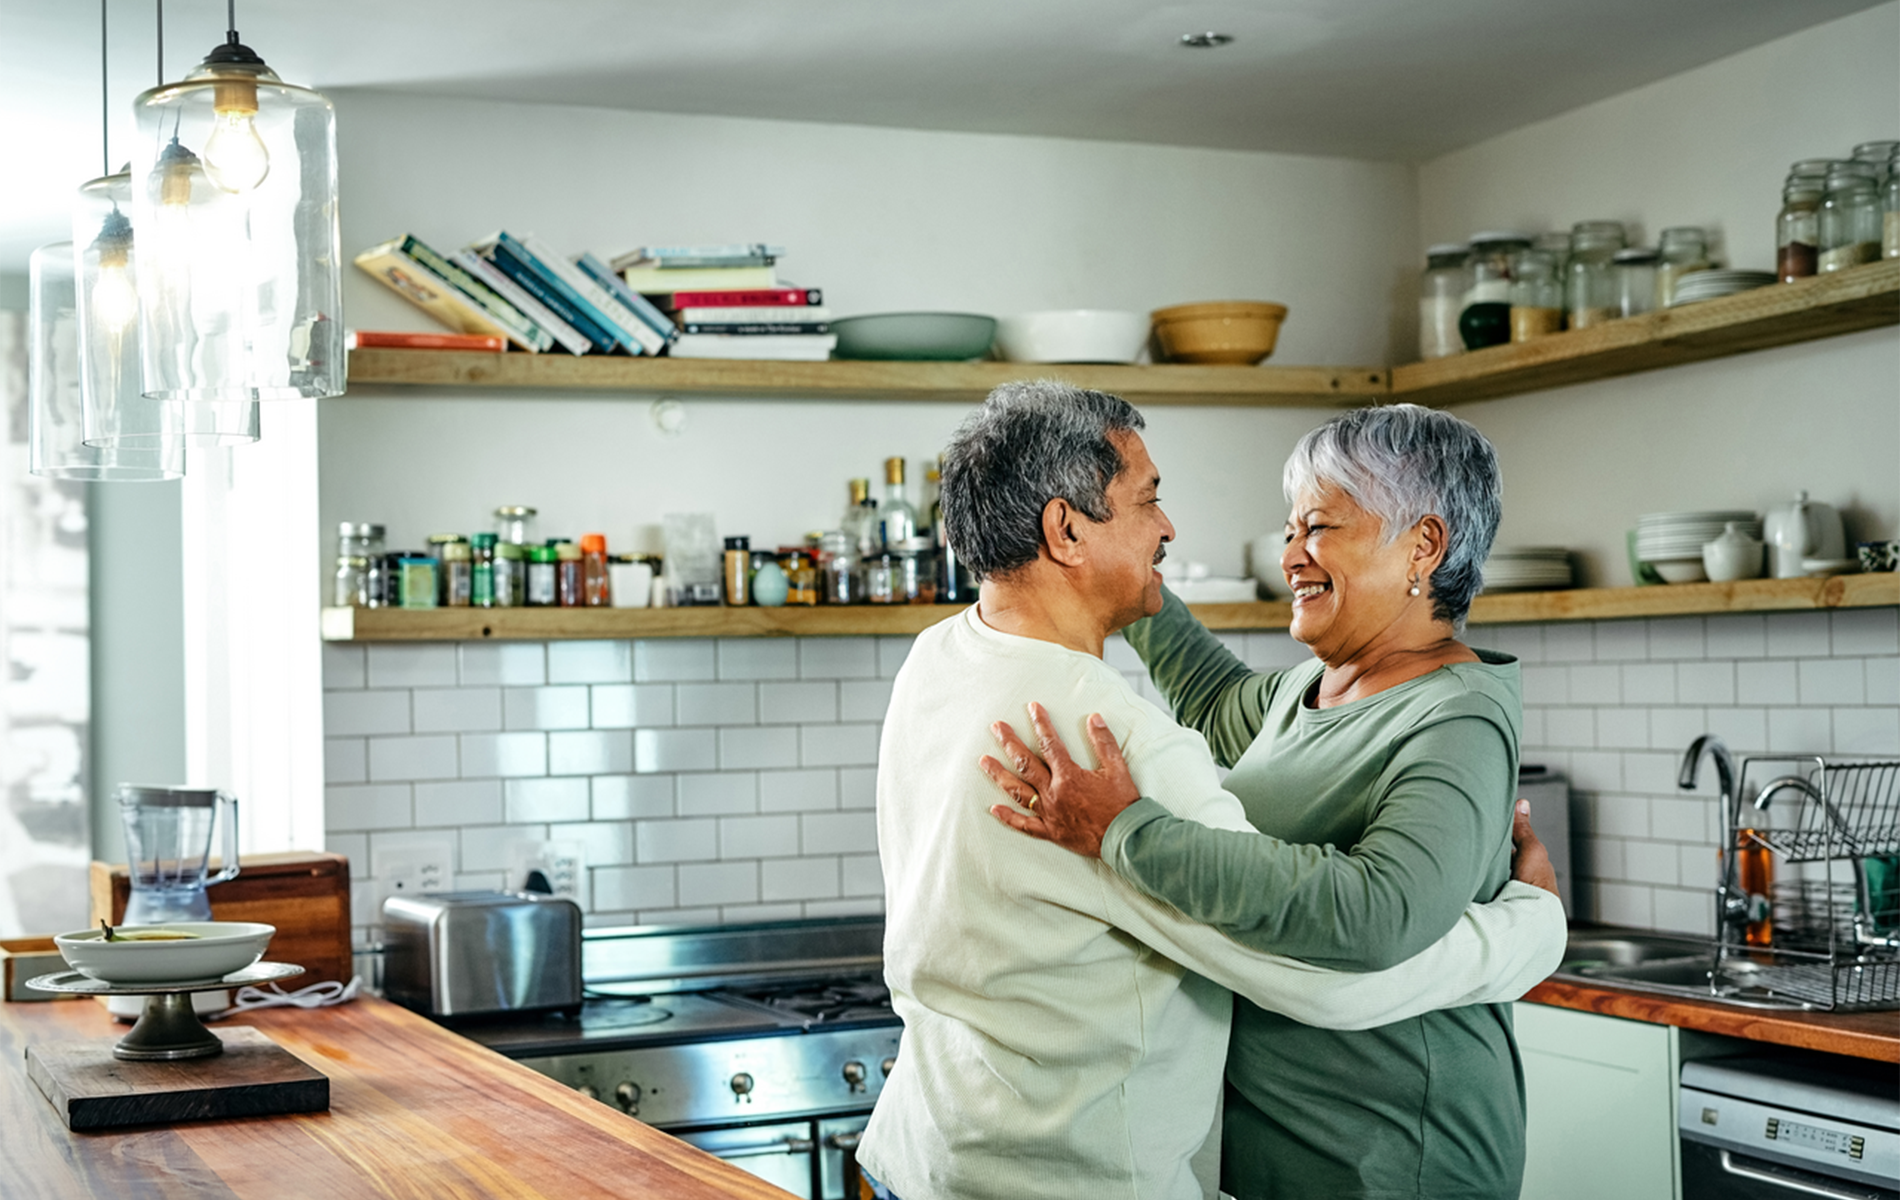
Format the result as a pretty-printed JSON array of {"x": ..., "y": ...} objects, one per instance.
[{"x": 915, "y": 337}]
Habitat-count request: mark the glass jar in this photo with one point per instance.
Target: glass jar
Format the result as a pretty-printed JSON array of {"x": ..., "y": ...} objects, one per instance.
[
  {"x": 1441, "y": 298},
  {"x": 1537, "y": 308},
  {"x": 1879, "y": 156},
  {"x": 801, "y": 575},
  {"x": 1635, "y": 270},
  {"x": 457, "y": 574},
  {"x": 737, "y": 564},
  {"x": 362, "y": 540},
  {"x": 1590, "y": 273},
  {"x": 838, "y": 568},
  {"x": 515, "y": 523},
  {"x": 883, "y": 580},
  {"x": 511, "y": 575},
  {"x": 419, "y": 587},
  {"x": 1850, "y": 217},
  {"x": 569, "y": 581},
  {"x": 481, "y": 584},
  {"x": 541, "y": 571},
  {"x": 350, "y": 587},
  {"x": 1485, "y": 318},
  {"x": 1798, "y": 226},
  {"x": 438, "y": 550},
  {"x": 917, "y": 572},
  {"x": 1890, "y": 216},
  {"x": 1682, "y": 250}
]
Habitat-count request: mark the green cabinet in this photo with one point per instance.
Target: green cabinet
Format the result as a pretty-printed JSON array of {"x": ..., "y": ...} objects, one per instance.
[{"x": 1600, "y": 1097}]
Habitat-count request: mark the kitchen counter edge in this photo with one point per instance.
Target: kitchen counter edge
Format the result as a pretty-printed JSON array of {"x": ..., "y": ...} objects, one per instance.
[{"x": 1871, "y": 1035}]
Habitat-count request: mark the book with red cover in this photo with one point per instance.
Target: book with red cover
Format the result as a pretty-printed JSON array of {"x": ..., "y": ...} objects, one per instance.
[
  {"x": 787, "y": 297},
  {"x": 391, "y": 340}
]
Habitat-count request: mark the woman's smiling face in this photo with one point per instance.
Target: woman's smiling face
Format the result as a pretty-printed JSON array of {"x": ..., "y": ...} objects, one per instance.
[{"x": 1349, "y": 583}]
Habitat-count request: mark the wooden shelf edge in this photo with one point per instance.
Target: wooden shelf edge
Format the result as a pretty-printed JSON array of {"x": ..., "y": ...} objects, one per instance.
[
  {"x": 901, "y": 381},
  {"x": 1586, "y": 604},
  {"x": 1849, "y": 301}
]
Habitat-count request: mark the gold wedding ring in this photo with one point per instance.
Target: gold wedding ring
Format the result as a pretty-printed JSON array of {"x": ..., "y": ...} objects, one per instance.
[{"x": 1030, "y": 804}]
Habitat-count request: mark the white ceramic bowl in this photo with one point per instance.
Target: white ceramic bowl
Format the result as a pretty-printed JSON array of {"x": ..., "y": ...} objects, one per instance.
[
  {"x": 1073, "y": 335},
  {"x": 219, "y": 948},
  {"x": 1681, "y": 570}
]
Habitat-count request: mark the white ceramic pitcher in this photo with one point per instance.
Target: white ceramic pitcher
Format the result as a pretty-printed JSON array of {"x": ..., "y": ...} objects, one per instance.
[{"x": 1802, "y": 529}]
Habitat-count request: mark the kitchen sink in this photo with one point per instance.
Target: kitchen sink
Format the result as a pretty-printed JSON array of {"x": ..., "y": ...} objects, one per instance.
[
  {"x": 1669, "y": 964},
  {"x": 1593, "y": 951}
]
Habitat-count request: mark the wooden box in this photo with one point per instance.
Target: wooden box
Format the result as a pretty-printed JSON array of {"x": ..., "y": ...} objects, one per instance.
[{"x": 305, "y": 895}]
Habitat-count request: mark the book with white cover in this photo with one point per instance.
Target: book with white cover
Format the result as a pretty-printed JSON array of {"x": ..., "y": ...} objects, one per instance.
[
  {"x": 571, "y": 339},
  {"x": 695, "y": 255},
  {"x": 751, "y": 316},
  {"x": 787, "y": 347},
  {"x": 622, "y": 316}
]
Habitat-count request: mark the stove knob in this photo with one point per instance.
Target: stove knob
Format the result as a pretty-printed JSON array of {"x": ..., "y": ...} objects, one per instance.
[
  {"x": 742, "y": 1084},
  {"x": 887, "y": 1065},
  {"x": 589, "y": 1090},
  {"x": 628, "y": 1094},
  {"x": 854, "y": 1075}
]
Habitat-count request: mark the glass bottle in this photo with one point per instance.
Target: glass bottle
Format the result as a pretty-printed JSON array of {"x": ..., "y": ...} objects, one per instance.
[
  {"x": 1755, "y": 877},
  {"x": 896, "y": 519},
  {"x": 1536, "y": 298},
  {"x": 1798, "y": 226},
  {"x": 1635, "y": 280},
  {"x": 1890, "y": 216},
  {"x": 1441, "y": 296},
  {"x": 481, "y": 586},
  {"x": 457, "y": 574},
  {"x": 1484, "y": 319},
  {"x": 569, "y": 589},
  {"x": 594, "y": 586},
  {"x": 738, "y": 568},
  {"x": 859, "y": 522},
  {"x": 1850, "y": 217},
  {"x": 511, "y": 575},
  {"x": 1590, "y": 274},
  {"x": 1682, "y": 250},
  {"x": 515, "y": 523},
  {"x": 542, "y": 592},
  {"x": 928, "y": 505}
]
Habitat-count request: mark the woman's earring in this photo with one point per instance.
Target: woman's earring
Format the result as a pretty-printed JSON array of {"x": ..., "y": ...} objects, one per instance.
[{"x": 1415, "y": 585}]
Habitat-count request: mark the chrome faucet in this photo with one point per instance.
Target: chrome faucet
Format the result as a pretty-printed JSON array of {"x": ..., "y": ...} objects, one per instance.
[
  {"x": 1731, "y": 903},
  {"x": 1864, "y": 908}
]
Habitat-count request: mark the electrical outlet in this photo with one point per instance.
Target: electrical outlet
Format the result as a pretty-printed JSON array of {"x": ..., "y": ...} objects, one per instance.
[
  {"x": 410, "y": 869},
  {"x": 559, "y": 864}
]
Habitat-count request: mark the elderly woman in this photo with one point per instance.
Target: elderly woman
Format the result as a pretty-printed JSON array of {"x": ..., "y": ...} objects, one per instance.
[{"x": 1383, "y": 774}]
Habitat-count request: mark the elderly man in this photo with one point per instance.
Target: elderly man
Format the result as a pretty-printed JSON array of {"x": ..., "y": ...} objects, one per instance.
[{"x": 1065, "y": 1033}]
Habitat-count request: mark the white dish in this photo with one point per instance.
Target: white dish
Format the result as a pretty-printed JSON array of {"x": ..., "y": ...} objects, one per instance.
[
  {"x": 1074, "y": 335},
  {"x": 1681, "y": 570},
  {"x": 1829, "y": 566},
  {"x": 219, "y": 948}
]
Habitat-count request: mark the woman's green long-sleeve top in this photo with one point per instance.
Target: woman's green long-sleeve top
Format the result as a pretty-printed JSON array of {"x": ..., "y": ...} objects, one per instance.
[{"x": 1384, "y": 818}]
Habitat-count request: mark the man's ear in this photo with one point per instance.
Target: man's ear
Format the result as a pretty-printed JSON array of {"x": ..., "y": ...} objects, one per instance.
[{"x": 1062, "y": 535}]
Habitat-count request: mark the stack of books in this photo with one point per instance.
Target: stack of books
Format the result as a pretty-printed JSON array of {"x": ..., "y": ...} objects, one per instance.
[{"x": 727, "y": 301}]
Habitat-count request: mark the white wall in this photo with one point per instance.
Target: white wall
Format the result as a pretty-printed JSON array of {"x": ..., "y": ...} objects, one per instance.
[
  {"x": 883, "y": 220},
  {"x": 1708, "y": 147}
]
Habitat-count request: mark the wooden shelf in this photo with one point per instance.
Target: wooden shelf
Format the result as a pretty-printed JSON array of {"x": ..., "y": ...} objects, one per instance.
[
  {"x": 902, "y": 381},
  {"x": 1848, "y": 301},
  {"x": 554, "y": 624}
]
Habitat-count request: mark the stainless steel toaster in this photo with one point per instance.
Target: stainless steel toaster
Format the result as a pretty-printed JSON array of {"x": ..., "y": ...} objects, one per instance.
[{"x": 460, "y": 953}]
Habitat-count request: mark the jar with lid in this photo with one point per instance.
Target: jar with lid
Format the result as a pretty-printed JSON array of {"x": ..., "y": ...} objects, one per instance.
[
  {"x": 1850, "y": 217},
  {"x": 1537, "y": 308},
  {"x": 457, "y": 574},
  {"x": 438, "y": 550},
  {"x": 542, "y": 592},
  {"x": 350, "y": 589},
  {"x": 1485, "y": 318},
  {"x": 883, "y": 580},
  {"x": 594, "y": 586},
  {"x": 917, "y": 572},
  {"x": 838, "y": 564},
  {"x": 481, "y": 585},
  {"x": 1798, "y": 224},
  {"x": 1635, "y": 270},
  {"x": 419, "y": 587},
  {"x": 801, "y": 575},
  {"x": 1682, "y": 250},
  {"x": 738, "y": 568},
  {"x": 511, "y": 575},
  {"x": 1890, "y": 217},
  {"x": 1879, "y": 156},
  {"x": 1441, "y": 297},
  {"x": 362, "y": 540},
  {"x": 568, "y": 580},
  {"x": 1590, "y": 274},
  {"x": 515, "y": 523}
]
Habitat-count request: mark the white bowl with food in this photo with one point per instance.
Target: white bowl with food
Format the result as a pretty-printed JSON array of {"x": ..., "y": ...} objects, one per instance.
[
  {"x": 175, "y": 952},
  {"x": 1072, "y": 335}
]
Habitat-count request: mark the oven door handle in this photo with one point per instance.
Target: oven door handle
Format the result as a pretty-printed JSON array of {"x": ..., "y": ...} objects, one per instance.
[
  {"x": 843, "y": 1141},
  {"x": 1782, "y": 1181},
  {"x": 789, "y": 1145}
]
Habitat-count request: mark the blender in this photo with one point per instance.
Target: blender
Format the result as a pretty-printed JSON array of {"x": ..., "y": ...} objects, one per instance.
[{"x": 168, "y": 848}]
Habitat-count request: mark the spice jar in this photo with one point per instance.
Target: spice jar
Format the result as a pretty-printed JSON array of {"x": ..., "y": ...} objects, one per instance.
[
  {"x": 438, "y": 550},
  {"x": 515, "y": 523},
  {"x": 1890, "y": 217},
  {"x": 1682, "y": 250},
  {"x": 1485, "y": 318},
  {"x": 1536, "y": 298},
  {"x": 362, "y": 540},
  {"x": 418, "y": 581},
  {"x": 568, "y": 579},
  {"x": 1441, "y": 298},
  {"x": 594, "y": 583},
  {"x": 738, "y": 566},
  {"x": 350, "y": 587},
  {"x": 511, "y": 575},
  {"x": 883, "y": 580},
  {"x": 1798, "y": 224},
  {"x": 838, "y": 565},
  {"x": 917, "y": 572},
  {"x": 481, "y": 586},
  {"x": 457, "y": 574},
  {"x": 1850, "y": 217},
  {"x": 1635, "y": 270},
  {"x": 801, "y": 575},
  {"x": 541, "y": 571},
  {"x": 1590, "y": 274},
  {"x": 1879, "y": 156}
]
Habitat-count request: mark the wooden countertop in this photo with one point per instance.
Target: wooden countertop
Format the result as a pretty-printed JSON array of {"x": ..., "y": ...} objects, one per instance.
[
  {"x": 1858, "y": 1035},
  {"x": 415, "y": 1112}
]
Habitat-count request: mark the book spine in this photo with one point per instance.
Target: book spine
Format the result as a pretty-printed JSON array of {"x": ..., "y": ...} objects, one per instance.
[
  {"x": 634, "y": 332},
  {"x": 568, "y": 337},
  {"x": 543, "y": 290},
  {"x": 681, "y": 264},
  {"x": 633, "y": 301},
  {"x": 747, "y": 316},
  {"x": 426, "y": 290},
  {"x": 521, "y": 330},
  {"x": 394, "y": 340},
  {"x": 754, "y": 298},
  {"x": 757, "y": 327}
]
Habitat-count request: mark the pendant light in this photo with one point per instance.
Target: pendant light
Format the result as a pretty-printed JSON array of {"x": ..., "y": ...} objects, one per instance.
[
  {"x": 55, "y": 412},
  {"x": 234, "y": 198}
]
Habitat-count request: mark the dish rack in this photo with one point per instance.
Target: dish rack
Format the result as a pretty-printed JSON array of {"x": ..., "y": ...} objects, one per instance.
[{"x": 1833, "y": 829}]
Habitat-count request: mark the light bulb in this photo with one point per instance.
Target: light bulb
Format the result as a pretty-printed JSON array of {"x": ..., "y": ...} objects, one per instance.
[
  {"x": 172, "y": 175},
  {"x": 115, "y": 302},
  {"x": 235, "y": 157}
]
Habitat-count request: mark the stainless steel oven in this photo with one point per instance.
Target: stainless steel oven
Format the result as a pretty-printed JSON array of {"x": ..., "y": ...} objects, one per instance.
[{"x": 1790, "y": 1125}]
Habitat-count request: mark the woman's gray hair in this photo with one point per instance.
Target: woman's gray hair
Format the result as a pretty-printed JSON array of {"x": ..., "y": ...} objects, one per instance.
[
  {"x": 1401, "y": 462},
  {"x": 1030, "y": 443}
]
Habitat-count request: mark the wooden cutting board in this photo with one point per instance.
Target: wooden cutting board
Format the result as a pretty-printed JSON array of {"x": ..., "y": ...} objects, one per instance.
[{"x": 254, "y": 1077}]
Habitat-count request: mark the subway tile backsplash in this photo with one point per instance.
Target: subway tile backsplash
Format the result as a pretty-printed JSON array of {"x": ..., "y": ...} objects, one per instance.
[{"x": 708, "y": 780}]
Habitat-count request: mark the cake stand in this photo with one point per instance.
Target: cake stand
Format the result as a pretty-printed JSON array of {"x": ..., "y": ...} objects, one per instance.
[{"x": 169, "y": 1028}]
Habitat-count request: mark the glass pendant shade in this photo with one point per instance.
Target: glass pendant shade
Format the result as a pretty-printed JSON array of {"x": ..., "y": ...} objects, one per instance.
[
  {"x": 234, "y": 198},
  {"x": 56, "y": 433}
]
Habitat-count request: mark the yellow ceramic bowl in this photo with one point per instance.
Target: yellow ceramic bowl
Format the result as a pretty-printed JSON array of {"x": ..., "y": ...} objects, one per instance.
[{"x": 1239, "y": 332}]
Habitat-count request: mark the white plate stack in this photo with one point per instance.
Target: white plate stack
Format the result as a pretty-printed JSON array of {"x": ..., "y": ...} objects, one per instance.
[
  {"x": 1707, "y": 285},
  {"x": 1527, "y": 569},
  {"x": 1672, "y": 542}
]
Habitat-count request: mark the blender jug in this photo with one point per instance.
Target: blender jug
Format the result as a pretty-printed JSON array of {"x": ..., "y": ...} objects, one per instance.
[{"x": 168, "y": 845}]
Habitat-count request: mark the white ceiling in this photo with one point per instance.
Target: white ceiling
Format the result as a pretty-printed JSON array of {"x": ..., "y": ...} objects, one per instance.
[{"x": 1382, "y": 79}]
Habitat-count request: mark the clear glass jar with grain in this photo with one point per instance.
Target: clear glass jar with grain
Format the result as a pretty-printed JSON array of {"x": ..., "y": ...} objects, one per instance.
[{"x": 1590, "y": 276}]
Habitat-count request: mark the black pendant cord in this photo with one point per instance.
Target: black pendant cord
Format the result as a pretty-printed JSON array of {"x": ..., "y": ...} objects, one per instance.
[
  {"x": 161, "y": 42},
  {"x": 230, "y": 21},
  {"x": 105, "y": 108}
]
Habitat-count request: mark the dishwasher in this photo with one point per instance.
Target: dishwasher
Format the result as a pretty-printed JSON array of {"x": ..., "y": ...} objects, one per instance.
[{"x": 1780, "y": 1127}]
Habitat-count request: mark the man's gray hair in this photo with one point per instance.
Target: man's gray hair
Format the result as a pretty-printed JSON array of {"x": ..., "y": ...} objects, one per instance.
[
  {"x": 1401, "y": 462},
  {"x": 1030, "y": 443}
]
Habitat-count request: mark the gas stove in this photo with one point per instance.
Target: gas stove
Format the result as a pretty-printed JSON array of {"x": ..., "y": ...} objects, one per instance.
[{"x": 766, "y": 1044}]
